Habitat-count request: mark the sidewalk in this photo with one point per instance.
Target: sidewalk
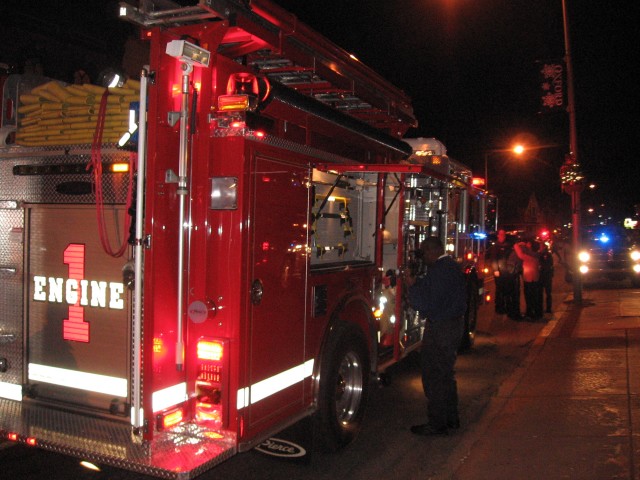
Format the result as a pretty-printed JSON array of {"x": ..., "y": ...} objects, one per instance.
[{"x": 572, "y": 409}]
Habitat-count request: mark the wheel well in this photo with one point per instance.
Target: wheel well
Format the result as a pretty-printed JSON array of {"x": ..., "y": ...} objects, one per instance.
[{"x": 355, "y": 311}]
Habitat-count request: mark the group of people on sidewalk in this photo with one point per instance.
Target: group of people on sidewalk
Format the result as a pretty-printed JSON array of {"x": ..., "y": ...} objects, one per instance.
[{"x": 530, "y": 261}]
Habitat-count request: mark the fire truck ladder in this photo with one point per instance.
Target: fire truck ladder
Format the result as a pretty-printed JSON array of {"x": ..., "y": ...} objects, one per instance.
[{"x": 274, "y": 43}]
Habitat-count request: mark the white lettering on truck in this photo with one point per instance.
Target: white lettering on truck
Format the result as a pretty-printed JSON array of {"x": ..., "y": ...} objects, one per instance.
[
  {"x": 88, "y": 292},
  {"x": 77, "y": 292}
]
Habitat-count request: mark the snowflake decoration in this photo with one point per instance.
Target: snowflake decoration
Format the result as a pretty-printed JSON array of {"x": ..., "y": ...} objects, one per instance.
[
  {"x": 550, "y": 100},
  {"x": 549, "y": 70}
]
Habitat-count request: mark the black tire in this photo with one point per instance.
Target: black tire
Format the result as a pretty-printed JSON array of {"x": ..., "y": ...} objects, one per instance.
[
  {"x": 470, "y": 320},
  {"x": 344, "y": 388}
]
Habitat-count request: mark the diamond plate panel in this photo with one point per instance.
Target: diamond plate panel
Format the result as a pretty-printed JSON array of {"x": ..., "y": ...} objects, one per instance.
[
  {"x": 42, "y": 181},
  {"x": 182, "y": 453},
  {"x": 51, "y": 187},
  {"x": 11, "y": 293}
]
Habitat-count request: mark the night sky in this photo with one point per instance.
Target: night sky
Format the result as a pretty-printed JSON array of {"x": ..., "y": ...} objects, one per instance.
[{"x": 470, "y": 67}]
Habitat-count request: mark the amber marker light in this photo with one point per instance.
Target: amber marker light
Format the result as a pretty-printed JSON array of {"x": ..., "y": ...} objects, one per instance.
[{"x": 119, "y": 167}]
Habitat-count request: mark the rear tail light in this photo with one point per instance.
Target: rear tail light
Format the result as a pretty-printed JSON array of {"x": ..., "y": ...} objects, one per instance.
[
  {"x": 16, "y": 437},
  {"x": 212, "y": 373},
  {"x": 170, "y": 418},
  {"x": 209, "y": 350}
]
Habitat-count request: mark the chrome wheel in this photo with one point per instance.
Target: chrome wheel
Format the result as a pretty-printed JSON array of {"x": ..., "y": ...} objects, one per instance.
[{"x": 349, "y": 387}]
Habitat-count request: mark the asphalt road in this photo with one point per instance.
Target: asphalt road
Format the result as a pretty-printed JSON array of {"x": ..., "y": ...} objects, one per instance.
[{"x": 384, "y": 449}]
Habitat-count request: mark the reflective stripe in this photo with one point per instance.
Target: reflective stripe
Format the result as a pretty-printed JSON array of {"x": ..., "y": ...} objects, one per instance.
[
  {"x": 168, "y": 397},
  {"x": 11, "y": 391},
  {"x": 133, "y": 415},
  {"x": 243, "y": 398},
  {"x": 91, "y": 382},
  {"x": 272, "y": 385}
]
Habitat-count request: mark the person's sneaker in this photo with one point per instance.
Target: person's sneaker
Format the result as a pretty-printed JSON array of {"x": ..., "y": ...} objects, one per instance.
[{"x": 427, "y": 429}]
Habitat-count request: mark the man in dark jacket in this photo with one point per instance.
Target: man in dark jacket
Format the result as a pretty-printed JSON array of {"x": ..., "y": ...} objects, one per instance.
[
  {"x": 440, "y": 296},
  {"x": 506, "y": 271}
]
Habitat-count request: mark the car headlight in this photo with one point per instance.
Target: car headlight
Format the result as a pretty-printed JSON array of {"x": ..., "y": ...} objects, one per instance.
[
  {"x": 584, "y": 256},
  {"x": 635, "y": 255}
]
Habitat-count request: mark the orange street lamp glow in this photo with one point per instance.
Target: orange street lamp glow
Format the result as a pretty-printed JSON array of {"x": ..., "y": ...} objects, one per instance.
[{"x": 518, "y": 149}]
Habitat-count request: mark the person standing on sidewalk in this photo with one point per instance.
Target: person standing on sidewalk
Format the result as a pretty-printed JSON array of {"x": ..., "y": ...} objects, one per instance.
[
  {"x": 506, "y": 272},
  {"x": 440, "y": 296},
  {"x": 546, "y": 275},
  {"x": 528, "y": 253}
]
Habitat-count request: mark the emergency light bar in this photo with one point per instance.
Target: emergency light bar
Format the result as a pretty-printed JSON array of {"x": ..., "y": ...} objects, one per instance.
[{"x": 188, "y": 53}]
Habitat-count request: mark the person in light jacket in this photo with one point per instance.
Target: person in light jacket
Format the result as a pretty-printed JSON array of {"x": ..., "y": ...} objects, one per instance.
[{"x": 528, "y": 253}]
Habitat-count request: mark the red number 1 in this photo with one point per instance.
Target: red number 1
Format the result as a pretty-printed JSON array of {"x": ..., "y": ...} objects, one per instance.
[{"x": 74, "y": 327}]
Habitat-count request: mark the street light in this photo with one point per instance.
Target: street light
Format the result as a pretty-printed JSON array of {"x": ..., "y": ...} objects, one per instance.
[{"x": 516, "y": 149}]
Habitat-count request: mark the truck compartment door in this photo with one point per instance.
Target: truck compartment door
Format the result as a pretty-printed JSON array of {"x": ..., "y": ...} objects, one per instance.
[
  {"x": 277, "y": 298},
  {"x": 77, "y": 310}
]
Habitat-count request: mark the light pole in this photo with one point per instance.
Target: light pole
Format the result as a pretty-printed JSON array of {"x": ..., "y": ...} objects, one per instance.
[{"x": 570, "y": 174}]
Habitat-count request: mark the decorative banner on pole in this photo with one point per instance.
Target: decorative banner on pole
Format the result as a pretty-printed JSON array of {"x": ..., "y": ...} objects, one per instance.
[{"x": 552, "y": 86}]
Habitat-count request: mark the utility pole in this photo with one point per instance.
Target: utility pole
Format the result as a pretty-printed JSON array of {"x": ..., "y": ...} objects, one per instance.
[{"x": 571, "y": 177}]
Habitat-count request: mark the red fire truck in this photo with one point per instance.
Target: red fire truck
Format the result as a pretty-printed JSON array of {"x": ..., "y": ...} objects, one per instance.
[{"x": 167, "y": 306}]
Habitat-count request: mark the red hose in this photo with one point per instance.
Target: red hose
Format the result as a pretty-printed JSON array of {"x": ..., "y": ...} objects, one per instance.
[{"x": 96, "y": 164}]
